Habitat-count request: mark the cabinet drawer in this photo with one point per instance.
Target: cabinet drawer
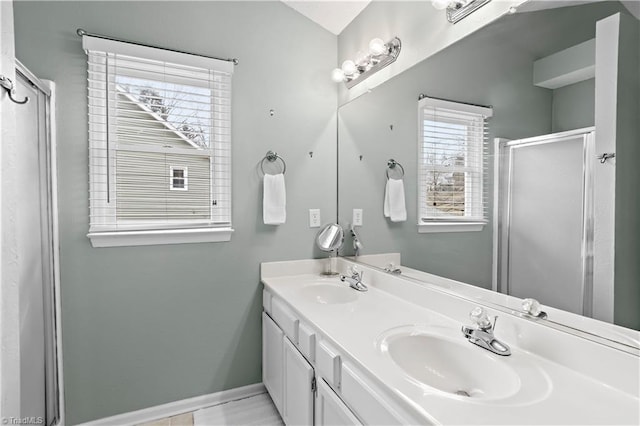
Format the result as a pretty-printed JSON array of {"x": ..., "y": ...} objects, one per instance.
[
  {"x": 328, "y": 364},
  {"x": 363, "y": 400},
  {"x": 285, "y": 319},
  {"x": 307, "y": 342},
  {"x": 266, "y": 301}
]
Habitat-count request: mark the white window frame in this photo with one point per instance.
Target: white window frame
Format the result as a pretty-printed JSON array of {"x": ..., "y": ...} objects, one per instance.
[
  {"x": 473, "y": 193},
  {"x": 184, "y": 177},
  {"x": 174, "y": 232}
]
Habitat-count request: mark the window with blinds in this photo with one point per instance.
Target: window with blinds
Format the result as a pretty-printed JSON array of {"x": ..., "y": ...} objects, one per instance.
[
  {"x": 452, "y": 162},
  {"x": 159, "y": 138}
]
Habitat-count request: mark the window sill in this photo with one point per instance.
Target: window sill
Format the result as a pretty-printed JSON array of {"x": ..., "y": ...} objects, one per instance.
[
  {"x": 160, "y": 236},
  {"x": 425, "y": 228}
]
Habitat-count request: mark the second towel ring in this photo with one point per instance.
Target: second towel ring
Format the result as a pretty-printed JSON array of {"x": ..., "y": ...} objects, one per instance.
[
  {"x": 391, "y": 164},
  {"x": 272, "y": 156}
]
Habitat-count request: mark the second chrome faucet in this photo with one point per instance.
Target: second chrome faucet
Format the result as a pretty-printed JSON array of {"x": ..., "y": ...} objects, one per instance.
[
  {"x": 481, "y": 333},
  {"x": 355, "y": 280}
]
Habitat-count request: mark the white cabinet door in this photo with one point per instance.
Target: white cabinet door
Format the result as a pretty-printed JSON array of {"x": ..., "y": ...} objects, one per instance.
[
  {"x": 272, "y": 360},
  {"x": 330, "y": 410},
  {"x": 297, "y": 394}
]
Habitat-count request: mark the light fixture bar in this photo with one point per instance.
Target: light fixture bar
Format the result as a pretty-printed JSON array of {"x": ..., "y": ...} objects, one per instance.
[
  {"x": 458, "y": 10},
  {"x": 365, "y": 65},
  {"x": 393, "y": 50}
]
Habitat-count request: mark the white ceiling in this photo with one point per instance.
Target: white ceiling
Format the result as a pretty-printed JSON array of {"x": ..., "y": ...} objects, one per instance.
[
  {"x": 333, "y": 15},
  {"x": 632, "y": 5}
]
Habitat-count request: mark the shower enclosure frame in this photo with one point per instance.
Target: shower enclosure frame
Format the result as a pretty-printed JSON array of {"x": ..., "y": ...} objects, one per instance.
[
  {"x": 503, "y": 174},
  {"x": 49, "y": 197}
]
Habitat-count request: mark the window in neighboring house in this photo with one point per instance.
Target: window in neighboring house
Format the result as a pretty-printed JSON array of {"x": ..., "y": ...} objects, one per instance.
[
  {"x": 149, "y": 109},
  {"x": 452, "y": 166},
  {"x": 179, "y": 176}
]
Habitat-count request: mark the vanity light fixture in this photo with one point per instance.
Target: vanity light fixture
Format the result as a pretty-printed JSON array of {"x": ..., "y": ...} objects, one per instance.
[
  {"x": 380, "y": 55},
  {"x": 458, "y": 9}
]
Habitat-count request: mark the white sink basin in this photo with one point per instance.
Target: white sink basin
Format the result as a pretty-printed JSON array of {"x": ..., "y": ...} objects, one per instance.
[
  {"x": 330, "y": 294},
  {"x": 454, "y": 367}
]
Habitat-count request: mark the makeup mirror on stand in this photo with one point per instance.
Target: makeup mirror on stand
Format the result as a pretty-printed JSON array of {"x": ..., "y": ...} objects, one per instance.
[{"x": 330, "y": 239}]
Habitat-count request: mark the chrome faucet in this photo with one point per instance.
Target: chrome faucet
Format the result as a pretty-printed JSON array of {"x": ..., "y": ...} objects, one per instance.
[
  {"x": 392, "y": 269},
  {"x": 357, "y": 245},
  {"x": 532, "y": 309},
  {"x": 355, "y": 280},
  {"x": 481, "y": 333}
]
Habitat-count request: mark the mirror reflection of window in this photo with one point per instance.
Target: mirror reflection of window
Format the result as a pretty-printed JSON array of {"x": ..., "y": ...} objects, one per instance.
[{"x": 452, "y": 161}]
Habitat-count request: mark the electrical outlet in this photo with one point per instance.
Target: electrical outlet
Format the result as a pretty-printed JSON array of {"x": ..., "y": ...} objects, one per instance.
[
  {"x": 314, "y": 218},
  {"x": 357, "y": 217}
]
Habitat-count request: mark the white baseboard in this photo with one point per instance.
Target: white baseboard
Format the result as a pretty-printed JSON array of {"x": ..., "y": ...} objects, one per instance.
[{"x": 178, "y": 407}]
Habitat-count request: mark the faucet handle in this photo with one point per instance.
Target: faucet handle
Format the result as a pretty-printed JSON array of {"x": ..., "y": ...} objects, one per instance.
[
  {"x": 532, "y": 307},
  {"x": 355, "y": 272},
  {"x": 479, "y": 317}
]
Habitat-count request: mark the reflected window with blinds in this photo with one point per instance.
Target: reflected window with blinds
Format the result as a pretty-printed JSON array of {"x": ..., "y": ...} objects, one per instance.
[
  {"x": 159, "y": 143},
  {"x": 452, "y": 164}
]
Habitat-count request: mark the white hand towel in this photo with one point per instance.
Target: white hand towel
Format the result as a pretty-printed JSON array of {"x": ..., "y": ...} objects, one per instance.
[
  {"x": 395, "y": 200},
  {"x": 385, "y": 208},
  {"x": 274, "y": 201}
]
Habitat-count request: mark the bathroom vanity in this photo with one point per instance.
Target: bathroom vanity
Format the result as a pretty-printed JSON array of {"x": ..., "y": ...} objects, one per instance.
[{"x": 395, "y": 354}]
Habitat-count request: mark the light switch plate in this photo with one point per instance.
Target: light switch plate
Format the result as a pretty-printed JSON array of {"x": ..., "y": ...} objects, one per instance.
[
  {"x": 357, "y": 217},
  {"x": 314, "y": 218}
]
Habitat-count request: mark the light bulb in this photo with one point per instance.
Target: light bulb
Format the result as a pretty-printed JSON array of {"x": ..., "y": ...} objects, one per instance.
[
  {"x": 377, "y": 47},
  {"x": 349, "y": 67},
  {"x": 361, "y": 60},
  {"x": 337, "y": 75},
  {"x": 440, "y": 4}
]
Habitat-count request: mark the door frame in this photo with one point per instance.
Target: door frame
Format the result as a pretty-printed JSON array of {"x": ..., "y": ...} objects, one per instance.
[{"x": 9, "y": 291}]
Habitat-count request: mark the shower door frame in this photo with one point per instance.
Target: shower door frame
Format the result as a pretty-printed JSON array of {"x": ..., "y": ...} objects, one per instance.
[
  {"x": 50, "y": 197},
  {"x": 503, "y": 174}
]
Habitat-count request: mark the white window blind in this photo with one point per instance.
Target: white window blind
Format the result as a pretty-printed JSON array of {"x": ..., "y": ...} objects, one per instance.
[
  {"x": 453, "y": 162},
  {"x": 153, "y": 113}
]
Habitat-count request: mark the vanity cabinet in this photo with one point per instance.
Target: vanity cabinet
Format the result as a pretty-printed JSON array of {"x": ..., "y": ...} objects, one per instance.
[
  {"x": 309, "y": 380},
  {"x": 330, "y": 410},
  {"x": 272, "y": 360},
  {"x": 287, "y": 375},
  {"x": 299, "y": 385}
]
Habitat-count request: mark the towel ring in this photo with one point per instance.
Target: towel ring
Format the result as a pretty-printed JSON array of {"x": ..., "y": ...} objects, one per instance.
[
  {"x": 391, "y": 164},
  {"x": 272, "y": 156}
]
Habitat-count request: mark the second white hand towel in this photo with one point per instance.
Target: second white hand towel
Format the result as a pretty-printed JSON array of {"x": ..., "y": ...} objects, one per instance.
[
  {"x": 274, "y": 200},
  {"x": 385, "y": 207},
  {"x": 395, "y": 200}
]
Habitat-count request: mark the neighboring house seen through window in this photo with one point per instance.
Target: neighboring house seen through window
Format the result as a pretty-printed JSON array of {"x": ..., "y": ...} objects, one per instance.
[
  {"x": 452, "y": 166},
  {"x": 160, "y": 145}
]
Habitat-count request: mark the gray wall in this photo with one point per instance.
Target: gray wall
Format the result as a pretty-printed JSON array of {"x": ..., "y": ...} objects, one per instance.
[
  {"x": 491, "y": 67},
  {"x": 627, "y": 248},
  {"x": 148, "y": 325},
  {"x": 574, "y": 106}
]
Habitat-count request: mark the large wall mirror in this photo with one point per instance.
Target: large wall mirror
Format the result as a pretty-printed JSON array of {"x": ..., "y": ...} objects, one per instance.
[{"x": 551, "y": 230}]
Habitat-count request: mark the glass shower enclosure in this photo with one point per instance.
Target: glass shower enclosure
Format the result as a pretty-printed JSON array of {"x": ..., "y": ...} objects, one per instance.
[{"x": 544, "y": 232}]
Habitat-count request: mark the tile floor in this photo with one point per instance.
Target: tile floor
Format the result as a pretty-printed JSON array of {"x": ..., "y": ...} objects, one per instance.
[
  {"x": 180, "y": 420},
  {"x": 255, "y": 410}
]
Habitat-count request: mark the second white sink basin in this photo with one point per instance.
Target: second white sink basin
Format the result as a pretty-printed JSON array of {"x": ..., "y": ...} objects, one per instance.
[
  {"x": 455, "y": 367},
  {"x": 330, "y": 294}
]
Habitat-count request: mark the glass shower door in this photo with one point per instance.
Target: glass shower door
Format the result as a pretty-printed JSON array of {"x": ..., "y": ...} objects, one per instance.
[
  {"x": 547, "y": 222},
  {"x": 38, "y": 355}
]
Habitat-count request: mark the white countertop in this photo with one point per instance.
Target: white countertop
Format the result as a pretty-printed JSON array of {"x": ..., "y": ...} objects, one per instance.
[
  {"x": 551, "y": 391},
  {"x": 599, "y": 329}
]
